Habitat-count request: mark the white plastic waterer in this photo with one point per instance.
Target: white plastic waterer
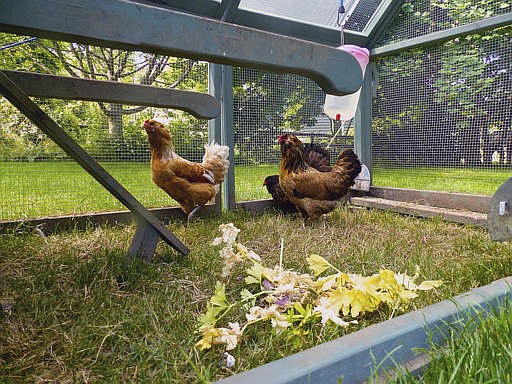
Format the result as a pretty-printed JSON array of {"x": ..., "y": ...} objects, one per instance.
[
  {"x": 343, "y": 108},
  {"x": 362, "y": 182}
]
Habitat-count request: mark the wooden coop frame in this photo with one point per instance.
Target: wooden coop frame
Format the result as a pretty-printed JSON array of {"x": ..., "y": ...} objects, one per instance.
[
  {"x": 167, "y": 30},
  {"x": 232, "y": 36},
  {"x": 224, "y": 35}
]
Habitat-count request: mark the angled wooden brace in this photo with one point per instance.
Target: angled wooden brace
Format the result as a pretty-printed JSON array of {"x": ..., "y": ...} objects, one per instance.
[{"x": 149, "y": 228}]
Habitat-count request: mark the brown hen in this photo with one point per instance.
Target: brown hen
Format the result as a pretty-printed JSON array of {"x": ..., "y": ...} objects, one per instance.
[
  {"x": 315, "y": 156},
  {"x": 314, "y": 193},
  {"x": 191, "y": 184}
]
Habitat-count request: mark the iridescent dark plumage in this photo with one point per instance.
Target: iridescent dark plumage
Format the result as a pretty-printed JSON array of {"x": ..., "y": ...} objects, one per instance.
[
  {"x": 314, "y": 193},
  {"x": 277, "y": 193},
  {"x": 314, "y": 156}
]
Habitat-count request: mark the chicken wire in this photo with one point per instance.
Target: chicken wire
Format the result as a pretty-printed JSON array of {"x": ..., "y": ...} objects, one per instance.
[
  {"x": 38, "y": 179},
  {"x": 41, "y": 180},
  {"x": 420, "y": 17},
  {"x": 447, "y": 106},
  {"x": 266, "y": 105}
]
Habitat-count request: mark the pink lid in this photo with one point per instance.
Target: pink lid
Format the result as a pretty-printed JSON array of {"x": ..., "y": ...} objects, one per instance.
[{"x": 361, "y": 54}]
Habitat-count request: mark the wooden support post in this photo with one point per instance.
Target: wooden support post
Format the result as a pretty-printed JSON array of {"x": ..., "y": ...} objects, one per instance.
[
  {"x": 363, "y": 119},
  {"x": 20, "y": 100},
  {"x": 227, "y": 135},
  {"x": 144, "y": 241},
  {"x": 214, "y": 125},
  {"x": 221, "y": 128}
]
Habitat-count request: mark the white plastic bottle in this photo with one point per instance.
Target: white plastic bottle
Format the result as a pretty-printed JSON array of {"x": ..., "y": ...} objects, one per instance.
[{"x": 344, "y": 107}]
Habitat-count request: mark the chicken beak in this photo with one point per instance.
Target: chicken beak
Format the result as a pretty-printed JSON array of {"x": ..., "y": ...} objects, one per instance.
[{"x": 146, "y": 125}]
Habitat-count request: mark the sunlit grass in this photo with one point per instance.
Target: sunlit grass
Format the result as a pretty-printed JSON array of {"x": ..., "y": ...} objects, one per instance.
[
  {"x": 40, "y": 189},
  {"x": 461, "y": 180},
  {"x": 480, "y": 352},
  {"x": 74, "y": 309}
]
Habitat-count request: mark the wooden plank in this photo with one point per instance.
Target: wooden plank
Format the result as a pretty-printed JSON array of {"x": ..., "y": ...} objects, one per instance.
[
  {"x": 287, "y": 27},
  {"x": 129, "y": 25},
  {"x": 227, "y": 136},
  {"x": 440, "y": 36},
  {"x": 79, "y": 222},
  {"x": 200, "y": 105},
  {"x": 21, "y": 101},
  {"x": 363, "y": 119},
  {"x": 299, "y": 30},
  {"x": 464, "y": 201},
  {"x": 457, "y": 216},
  {"x": 255, "y": 206}
]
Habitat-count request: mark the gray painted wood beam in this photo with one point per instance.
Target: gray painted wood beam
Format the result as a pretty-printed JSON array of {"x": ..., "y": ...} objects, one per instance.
[
  {"x": 226, "y": 10},
  {"x": 440, "y": 36},
  {"x": 20, "y": 100},
  {"x": 297, "y": 29},
  {"x": 129, "y": 25},
  {"x": 199, "y": 105},
  {"x": 317, "y": 33},
  {"x": 384, "y": 15},
  {"x": 223, "y": 86},
  {"x": 363, "y": 119},
  {"x": 227, "y": 135}
]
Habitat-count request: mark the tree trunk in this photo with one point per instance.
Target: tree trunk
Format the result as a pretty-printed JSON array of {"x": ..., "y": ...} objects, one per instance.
[{"x": 115, "y": 123}]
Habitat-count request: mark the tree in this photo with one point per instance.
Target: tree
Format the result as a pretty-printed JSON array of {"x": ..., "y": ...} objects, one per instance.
[
  {"x": 99, "y": 63},
  {"x": 267, "y": 103}
]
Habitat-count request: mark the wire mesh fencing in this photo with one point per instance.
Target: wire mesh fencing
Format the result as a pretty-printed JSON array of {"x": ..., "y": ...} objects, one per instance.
[
  {"x": 267, "y": 105},
  {"x": 442, "y": 114},
  {"x": 420, "y": 17},
  {"x": 38, "y": 179}
]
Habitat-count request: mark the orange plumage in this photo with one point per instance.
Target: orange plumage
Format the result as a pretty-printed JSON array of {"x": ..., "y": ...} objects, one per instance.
[{"x": 191, "y": 184}]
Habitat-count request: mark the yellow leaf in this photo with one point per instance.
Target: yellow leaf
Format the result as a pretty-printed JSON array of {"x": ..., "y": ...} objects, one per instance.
[
  {"x": 317, "y": 264},
  {"x": 219, "y": 297},
  {"x": 204, "y": 343},
  {"x": 254, "y": 274},
  {"x": 326, "y": 283},
  {"x": 429, "y": 284},
  {"x": 407, "y": 295}
]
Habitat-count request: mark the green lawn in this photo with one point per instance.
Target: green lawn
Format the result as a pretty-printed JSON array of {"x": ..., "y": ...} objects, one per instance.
[
  {"x": 74, "y": 309},
  {"x": 30, "y": 190},
  {"x": 462, "y": 180},
  {"x": 39, "y": 189},
  {"x": 480, "y": 352}
]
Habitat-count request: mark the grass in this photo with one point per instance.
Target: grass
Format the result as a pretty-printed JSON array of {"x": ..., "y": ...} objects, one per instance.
[
  {"x": 75, "y": 310},
  {"x": 462, "y": 180},
  {"x": 40, "y": 189},
  {"x": 481, "y": 352},
  {"x": 57, "y": 188}
]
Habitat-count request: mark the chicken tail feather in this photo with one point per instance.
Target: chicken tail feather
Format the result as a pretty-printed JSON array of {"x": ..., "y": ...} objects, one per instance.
[
  {"x": 348, "y": 164},
  {"x": 215, "y": 159}
]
